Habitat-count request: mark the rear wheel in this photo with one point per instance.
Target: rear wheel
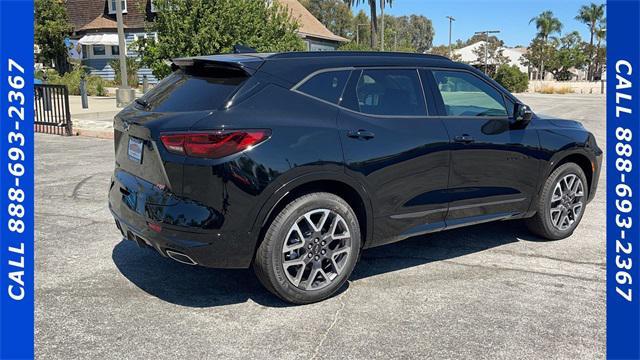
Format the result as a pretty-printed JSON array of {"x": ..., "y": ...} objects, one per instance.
[
  {"x": 561, "y": 203},
  {"x": 309, "y": 249}
]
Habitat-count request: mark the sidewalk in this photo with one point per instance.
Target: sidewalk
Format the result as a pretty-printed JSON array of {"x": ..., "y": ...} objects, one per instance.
[{"x": 97, "y": 120}]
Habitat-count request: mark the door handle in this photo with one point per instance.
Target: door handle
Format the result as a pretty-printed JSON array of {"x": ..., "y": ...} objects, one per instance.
[
  {"x": 361, "y": 134},
  {"x": 465, "y": 139}
]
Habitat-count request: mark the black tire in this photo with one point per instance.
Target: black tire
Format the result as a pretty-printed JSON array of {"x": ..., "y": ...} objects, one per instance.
[
  {"x": 542, "y": 223},
  {"x": 268, "y": 262}
]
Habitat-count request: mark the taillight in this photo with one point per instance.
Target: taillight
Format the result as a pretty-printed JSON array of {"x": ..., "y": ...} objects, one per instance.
[{"x": 214, "y": 144}]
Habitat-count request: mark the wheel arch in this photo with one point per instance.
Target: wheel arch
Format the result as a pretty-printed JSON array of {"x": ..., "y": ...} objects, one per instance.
[
  {"x": 586, "y": 164},
  {"x": 339, "y": 184}
]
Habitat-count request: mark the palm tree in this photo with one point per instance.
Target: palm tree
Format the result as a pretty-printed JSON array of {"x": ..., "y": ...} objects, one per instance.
[
  {"x": 591, "y": 15},
  {"x": 547, "y": 24},
  {"x": 374, "y": 17},
  {"x": 600, "y": 34}
]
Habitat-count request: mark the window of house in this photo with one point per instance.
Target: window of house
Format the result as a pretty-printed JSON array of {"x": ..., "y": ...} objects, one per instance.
[
  {"x": 327, "y": 86},
  {"x": 99, "y": 50},
  {"x": 115, "y": 50},
  {"x": 85, "y": 52},
  {"x": 464, "y": 94},
  {"x": 112, "y": 6},
  {"x": 390, "y": 92}
]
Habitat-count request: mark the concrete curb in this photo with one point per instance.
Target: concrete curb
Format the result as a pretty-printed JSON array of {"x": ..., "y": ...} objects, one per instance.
[{"x": 100, "y": 134}]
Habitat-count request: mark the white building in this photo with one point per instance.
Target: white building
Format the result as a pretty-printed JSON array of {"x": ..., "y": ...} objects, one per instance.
[{"x": 515, "y": 56}]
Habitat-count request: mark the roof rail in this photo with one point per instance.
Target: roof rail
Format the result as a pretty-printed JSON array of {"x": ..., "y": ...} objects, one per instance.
[{"x": 306, "y": 54}]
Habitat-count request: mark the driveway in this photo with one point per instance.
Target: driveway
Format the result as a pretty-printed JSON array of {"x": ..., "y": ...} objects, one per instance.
[{"x": 485, "y": 292}]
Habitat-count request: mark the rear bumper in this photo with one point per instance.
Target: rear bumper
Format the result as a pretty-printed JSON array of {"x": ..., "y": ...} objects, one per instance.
[{"x": 154, "y": 217}]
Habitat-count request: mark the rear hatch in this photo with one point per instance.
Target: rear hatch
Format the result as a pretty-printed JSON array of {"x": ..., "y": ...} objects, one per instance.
[{"x": 198, "y": 88}]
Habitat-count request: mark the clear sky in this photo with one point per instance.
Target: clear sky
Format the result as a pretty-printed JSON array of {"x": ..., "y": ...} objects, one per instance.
[{"x": 511, "y": 17}]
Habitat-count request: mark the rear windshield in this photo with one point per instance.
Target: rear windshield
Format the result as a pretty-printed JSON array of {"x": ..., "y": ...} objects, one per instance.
[{"x": 194, "y": 89}]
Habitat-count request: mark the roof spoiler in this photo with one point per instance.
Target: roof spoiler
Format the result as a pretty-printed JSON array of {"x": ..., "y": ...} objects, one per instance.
[{"x": 241, "y": 61}]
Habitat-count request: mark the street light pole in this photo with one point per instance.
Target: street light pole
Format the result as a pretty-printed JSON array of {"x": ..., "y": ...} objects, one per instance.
[
  {"x": 382, "y": 14},
  {"x": 451, "y": 19},
  {"x": 124, "y": 95},
  {"x": 486, "y": 45}
]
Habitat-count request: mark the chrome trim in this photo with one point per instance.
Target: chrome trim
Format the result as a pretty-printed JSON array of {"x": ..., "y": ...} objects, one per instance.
[
  {"x": 417, "y": 214},
  {"x": 461, "y": 207},
  {"x": 424, "y": 95},
  {"x": 306, "y": 78},
  {"x": 171, "y": 254}
]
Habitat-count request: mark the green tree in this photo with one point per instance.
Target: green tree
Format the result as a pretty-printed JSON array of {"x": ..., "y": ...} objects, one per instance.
[
  {"x": 50, "y": 29},
  {"x": 477, "y": 38},
  {"x": 362, "y": 29},
  {"x": 374, "y": 17},
  {"x": 569, "y": 55},
  {"x": 547, "y": 24},
  {"x": 561, "y": 55},
  {"x": 334, "y": 14},
  {"x": 203, "y": 27},
  {"x": 601, "y": 53},
  {"x": 417, "y": 30},
  {"x": 512, "y": 78},
  {"x": 591, "y": 15},
  {"x": 494, "y": 55},
  {"x": 443, "y": 50}
]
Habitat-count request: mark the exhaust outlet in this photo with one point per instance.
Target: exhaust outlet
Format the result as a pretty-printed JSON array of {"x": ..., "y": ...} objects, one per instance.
[{"x": 180, "y": 257}]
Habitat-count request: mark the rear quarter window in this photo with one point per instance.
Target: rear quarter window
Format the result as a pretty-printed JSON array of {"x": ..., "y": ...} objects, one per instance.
[
  {"x": 327, "y": 86},
  {"x": 194, "y": 89}
]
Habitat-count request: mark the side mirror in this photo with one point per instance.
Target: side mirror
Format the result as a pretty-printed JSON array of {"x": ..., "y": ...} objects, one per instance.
[{"x": 522, "y": 112}]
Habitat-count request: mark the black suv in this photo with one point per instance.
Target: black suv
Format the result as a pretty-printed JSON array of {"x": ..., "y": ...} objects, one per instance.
[{"x": 294, "y": 162}]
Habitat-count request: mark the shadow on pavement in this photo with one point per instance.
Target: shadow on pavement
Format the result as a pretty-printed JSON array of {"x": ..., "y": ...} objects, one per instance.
[{"x": 201, "y": 287}]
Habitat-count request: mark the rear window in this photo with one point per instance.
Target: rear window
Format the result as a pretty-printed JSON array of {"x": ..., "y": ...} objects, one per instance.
[
  {"x": 327, "y": 86},
  {"x": 194, "y": 89}
]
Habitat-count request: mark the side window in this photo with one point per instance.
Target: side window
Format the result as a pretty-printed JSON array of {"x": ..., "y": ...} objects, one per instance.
[
  {"x": 466, "y": 95},
  {"x": 391, "y": 92},
  {"x": 327, "y": 86}
]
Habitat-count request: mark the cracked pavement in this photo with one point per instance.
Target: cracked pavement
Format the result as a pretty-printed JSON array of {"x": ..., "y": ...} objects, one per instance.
[{"x": 484, "y": 292}]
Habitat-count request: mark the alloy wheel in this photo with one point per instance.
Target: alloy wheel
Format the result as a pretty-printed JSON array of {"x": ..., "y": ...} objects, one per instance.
[
  {"x": 567, "y": 201},
  {"x": 316, "y": 249}
]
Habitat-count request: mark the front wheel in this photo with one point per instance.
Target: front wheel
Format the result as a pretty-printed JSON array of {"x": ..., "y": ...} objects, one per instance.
[
  {"x": 561, "y": 203},
  {"x": 309, "y": 249}
]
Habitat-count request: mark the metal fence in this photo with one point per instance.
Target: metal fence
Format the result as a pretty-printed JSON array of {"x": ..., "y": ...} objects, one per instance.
[{"x": 52, "y": 115}]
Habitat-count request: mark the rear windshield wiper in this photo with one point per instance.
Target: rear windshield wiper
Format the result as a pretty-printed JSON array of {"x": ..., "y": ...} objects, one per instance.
[{"x": 142, "y": 103}]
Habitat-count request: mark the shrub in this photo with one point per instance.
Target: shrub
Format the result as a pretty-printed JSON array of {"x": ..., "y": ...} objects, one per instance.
[
  {"x": 512, "y": 78},
  {"x": 549, "y": 89},
  {"x": 132, "y": 71},
  {"x": 546, "y": 89},
  {"x": 564, "y": 90},
  {"x": 95, "y": 84},
  {"x": 354, "y": 46}
]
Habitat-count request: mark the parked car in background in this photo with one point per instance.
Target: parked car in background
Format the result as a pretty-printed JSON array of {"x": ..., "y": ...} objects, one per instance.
[{"x": 293, "y": 163}]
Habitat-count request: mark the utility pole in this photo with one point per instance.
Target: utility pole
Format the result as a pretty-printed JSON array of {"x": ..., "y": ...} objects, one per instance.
[
  {"x": 486, "y": 45},
  {"x": 382, "y": 14},
  {"x": 124, "y": 95},
  {"x": 451, "y": 20}
]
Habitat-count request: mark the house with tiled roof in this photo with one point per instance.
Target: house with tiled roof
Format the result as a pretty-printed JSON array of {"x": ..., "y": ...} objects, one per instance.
[{"x": 95, "y": 36}]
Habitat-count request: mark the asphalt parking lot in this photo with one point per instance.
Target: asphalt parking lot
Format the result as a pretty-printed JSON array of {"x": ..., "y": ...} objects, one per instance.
[{"x": 485, "y": 292}]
